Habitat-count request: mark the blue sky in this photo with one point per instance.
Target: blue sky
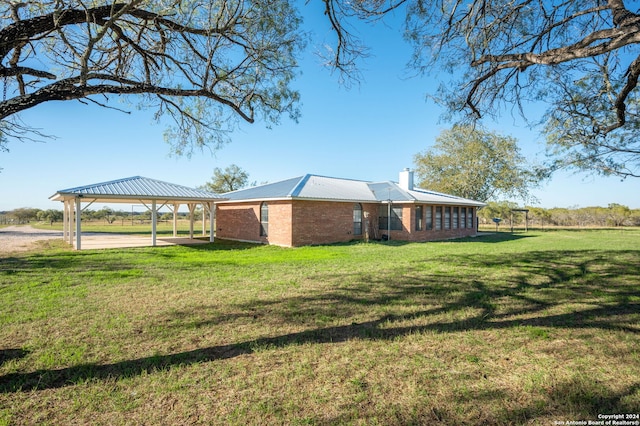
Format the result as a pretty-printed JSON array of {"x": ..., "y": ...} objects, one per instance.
[{"x": 369, "y": 132}]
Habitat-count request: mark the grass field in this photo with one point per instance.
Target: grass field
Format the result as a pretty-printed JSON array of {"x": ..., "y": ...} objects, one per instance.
[{"x": 504, "y": 329}]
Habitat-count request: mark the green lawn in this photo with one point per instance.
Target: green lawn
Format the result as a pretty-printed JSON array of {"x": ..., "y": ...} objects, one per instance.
[{"x": 503, "y": 329}]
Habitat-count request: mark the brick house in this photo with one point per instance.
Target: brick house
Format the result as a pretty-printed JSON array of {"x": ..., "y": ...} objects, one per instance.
[{"x": 316, "y": 209}]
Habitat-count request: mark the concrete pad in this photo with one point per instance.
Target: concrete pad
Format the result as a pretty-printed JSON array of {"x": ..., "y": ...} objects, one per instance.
[{"x": 105, "y": 241}]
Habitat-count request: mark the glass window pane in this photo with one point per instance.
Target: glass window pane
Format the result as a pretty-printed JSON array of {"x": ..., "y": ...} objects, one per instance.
[
  {"x": 395, "y": 221},
  {"x": 447, "y": 217},
  {"x": 264, "y": 220},
  {"x": 419, "y": 218},
  {"x": 455, "y": 217},
  {"x": 357, "y": 219}
]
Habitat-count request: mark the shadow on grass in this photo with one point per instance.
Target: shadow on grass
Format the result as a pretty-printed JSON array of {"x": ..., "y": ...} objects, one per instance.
[
  {"x": 577, "y": 399},
  {"x": 603, "y": 317},
  {"x": 603, "y": 283},
  {"x": 103, "y": 259},
  {"x": 10, "y": 354},
  {"x": 493, "y": 237}
]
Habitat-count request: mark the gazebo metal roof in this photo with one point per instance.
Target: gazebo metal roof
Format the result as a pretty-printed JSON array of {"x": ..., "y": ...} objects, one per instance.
[{"x": 136, "y": 188}]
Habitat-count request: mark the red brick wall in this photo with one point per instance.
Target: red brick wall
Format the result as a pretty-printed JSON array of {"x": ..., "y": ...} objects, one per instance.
[
  {"x": 241, "y": 221},
  {"x": 323, "y": 222},
  {"x": 280, "y": 229},
  {"x": 238, "y": 221},
  {"x": 298, "y": 223}
]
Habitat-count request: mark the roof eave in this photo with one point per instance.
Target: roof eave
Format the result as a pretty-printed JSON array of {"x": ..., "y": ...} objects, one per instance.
[
  {"x": 342, "y": 200},
  {"x": 62, "y": 196}
]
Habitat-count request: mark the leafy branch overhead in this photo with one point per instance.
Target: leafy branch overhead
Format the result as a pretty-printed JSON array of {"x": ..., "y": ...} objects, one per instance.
[
  {"x": 205, "y": 64},
  {"x": 578, "y": 59},
  {"x": 572, "y": 64}
]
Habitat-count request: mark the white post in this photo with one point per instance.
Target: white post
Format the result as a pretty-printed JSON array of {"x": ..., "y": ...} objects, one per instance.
[
  {"x": 192, "y": 207},
  {"x": 69, "y": 208},
  {"x": 70, "y": 223},
  {"x": 78, "y": 223},
  {"x": 389, "y": 220},
  {"x": 153, "y": 222},
  {"x": 204, "y": 219},
  {"x": 176, "y": 206},
  {"x": 65, "y": 221},
  {"x": 212, "y": 216}
]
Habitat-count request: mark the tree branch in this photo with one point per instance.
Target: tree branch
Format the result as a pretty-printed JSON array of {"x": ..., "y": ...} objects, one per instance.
[
  {"x": 19, "y": 70},
  {"x": 72, "y": 88}
]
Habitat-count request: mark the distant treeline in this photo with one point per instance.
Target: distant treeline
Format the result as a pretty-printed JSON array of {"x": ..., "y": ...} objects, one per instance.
[
  {"x": 26, "y": 215},
  {"x": 612, "y": 215}
]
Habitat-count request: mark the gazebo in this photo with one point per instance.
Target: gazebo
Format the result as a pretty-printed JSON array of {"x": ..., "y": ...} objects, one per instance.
[{"x": 153, "y": 194}]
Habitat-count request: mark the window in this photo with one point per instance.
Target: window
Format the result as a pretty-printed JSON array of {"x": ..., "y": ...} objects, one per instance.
[
  {"x": 470, "y": 218},
  {"x": 447, "y": 217},
  {"x": 455, "y": 217},
  {"x": 264, "y": 219},
  {"x": 438, "y": 218},
  {"x": 357, "y": 219},
  {"x": 429, "y": 218},
  {"x": 419, "y": 216},
  {"x": 396, "y": 218},
  {"x": 463, "y": 217}
]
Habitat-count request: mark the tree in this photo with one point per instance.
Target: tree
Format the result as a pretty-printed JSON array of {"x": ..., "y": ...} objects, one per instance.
[
  {"x": 204, "y": 64},
  {"x": 496, "y": 209},
  {"x": 618, "y": 214},
  {"x": 231, "y": 178},
  {"x": 25, "y": 214},
  {"x": 475, "y": 164},
  {"x": 576, "y": 57},
  {"x": 543, "y": 215},
  {"x": 105, "y": 213},
  {"x": 50, "y": 215}
]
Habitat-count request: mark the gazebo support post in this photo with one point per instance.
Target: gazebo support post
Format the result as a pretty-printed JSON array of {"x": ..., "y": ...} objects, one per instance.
[
  {"x": 176, "y": 206},
  {"x": 192, "y": 208},
  {"x": 78, "y": 224},
  {"x": 212, "y": 216},
  {"x": 204, "y": 219},
  {"x": 70, "y": 222},
  {"x": 154, "y": 222},
  {"x": 65, "y": 221}
]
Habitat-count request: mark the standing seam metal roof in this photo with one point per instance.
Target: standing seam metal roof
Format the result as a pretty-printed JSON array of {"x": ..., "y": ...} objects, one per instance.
[
  {"x": 138, "y": 186},
  {"x": 336, "y": 189}
]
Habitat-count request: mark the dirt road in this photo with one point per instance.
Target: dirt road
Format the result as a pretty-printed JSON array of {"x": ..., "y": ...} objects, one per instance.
[{"x": 22, "y": 238}]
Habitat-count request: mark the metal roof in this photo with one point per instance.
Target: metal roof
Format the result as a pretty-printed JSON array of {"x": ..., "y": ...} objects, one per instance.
[
  {"x": 136, "y": 188},
  {"x": 321, "y": 187},
  {"x": 314, "y": 187}
]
